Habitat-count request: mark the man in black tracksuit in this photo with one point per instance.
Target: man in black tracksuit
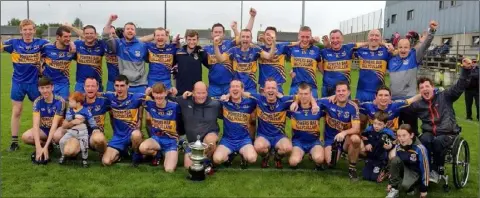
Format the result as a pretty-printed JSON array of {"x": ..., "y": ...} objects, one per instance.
[
  {"x": 439, "y": 126},
  {"x": 471, "y": 93}
]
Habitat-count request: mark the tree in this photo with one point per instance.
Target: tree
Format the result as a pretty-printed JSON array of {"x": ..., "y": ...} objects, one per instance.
[
  {"x": 77, "y": 23},
  {"x": 14, "y": 22}
]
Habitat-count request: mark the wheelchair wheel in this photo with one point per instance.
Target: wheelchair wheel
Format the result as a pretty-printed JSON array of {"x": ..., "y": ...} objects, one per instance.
[{"x": 461, "y": 162}]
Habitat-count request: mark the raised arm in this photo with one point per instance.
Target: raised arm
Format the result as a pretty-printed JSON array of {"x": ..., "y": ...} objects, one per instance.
[
  {"x": 146, "y": 39},
  {"x": 414, "y": 99},
  {"x": 77, "y": 31},
  {"x": 234, "y": 27},
  {"x": 270, "y": 54},
  {"x": 253, "y": 13},
  {"x": 422, "y": 48},
  {"x": 218, "y": 55},
  {"x": 109, "y": 40}
]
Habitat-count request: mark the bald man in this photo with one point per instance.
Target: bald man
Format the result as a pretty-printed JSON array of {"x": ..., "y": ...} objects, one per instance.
[
  {"x": 403, "y": 72},
  {"x": 199, "y": 114}
]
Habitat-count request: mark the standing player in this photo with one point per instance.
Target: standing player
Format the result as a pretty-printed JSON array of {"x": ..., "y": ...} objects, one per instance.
[
  {"x": 48, "y": 112},
  {"x": 238, "y": 126},
  {"x": 343, "y": 126},
  {"x": 125, "y": 122},
  {"x": 162, "y": 116},
  {"x": 57, "y": 61},
  {"x": 306, "y": 130},
  {"x": 220, "y": 75},
  {"x": 131, "y": 54},
  {"x": 305, "y": 59},
  {"x": 337, "y": 62},
  {"x": 244, "y": 58},
  {"x": 160, "y": 58},
  {"x": 26, "y": 53}
]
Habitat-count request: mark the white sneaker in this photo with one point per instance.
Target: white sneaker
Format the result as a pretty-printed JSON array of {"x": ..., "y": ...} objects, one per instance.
[
  {"x": 434, "y": 176},
  {"x": 393, "y": 193}
]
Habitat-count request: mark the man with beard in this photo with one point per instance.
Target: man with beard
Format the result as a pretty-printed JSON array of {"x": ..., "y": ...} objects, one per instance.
[
  {"x": 244, "y": 58},
  {"x": 57, "y": 60}
]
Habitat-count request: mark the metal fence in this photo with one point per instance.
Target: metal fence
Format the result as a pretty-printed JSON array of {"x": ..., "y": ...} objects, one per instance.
[{"x": 372, "y": 20}]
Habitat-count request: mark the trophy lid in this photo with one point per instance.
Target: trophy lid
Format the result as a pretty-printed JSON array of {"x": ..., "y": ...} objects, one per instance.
[{"x": 198, "y": 143}]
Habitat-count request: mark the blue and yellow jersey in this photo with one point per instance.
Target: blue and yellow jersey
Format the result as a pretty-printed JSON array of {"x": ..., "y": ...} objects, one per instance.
[
  {"x": 98, "y": 109},
  {"x": 415, "y": 158},
  {"x": 271, "y": 117},
  {"x": 162, "y": 121},
  {"x": 112, "y": 65},
  {"x": 305, "y": 124},
  {"x": 219, "y": 73},
  {"x": 236, "y": 118},
  {"x": 244, "y": 63},
  {"x": 304, "y": 63},
  {"x": 25, "y": 58},
  {"x": 48, "y": 111},
  {"x": 57, "y": 63},
  {"x": 83, "y": 112},
  {"x": 373, "y": 66},
  {"x": 125, "y": 113},
  {"x": 338, "y": 118},
  {"x": 89, "y": 60},
  {"x": 393, "y": 110},
  {"x": 275, "y": 67},
  {"x": 160, "y": 61},
  {"x": 337, "y": 64}
]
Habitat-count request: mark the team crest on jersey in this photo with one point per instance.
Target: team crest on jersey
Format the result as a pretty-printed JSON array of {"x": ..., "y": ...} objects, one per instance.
[
  {"x": 42, "y": 109},
  {"x": 48, "y": 110},
  {"x": 346, "y": 114},
  {"x": 169, "y": 112},
  {"x": 344, "y": 53},
  {"x": 376, "y": 169},
  {"x": 224, "y": 47},
  {"x": 405, "y": 62},
  {"x": 98, "y": 107},
  {"x": 169, "y": 49},
  {"x": 250, "y": 56},
  {"x": 137, "y": 53},
  {"x": 61, "y": 54},
  {"x": 380, "y": 53},
  {"x": 28, "y": 47},
  {"x": 195, "y": 56},
  {"x": 413, "y": 157},
  {"x": 312, "y": 52}
]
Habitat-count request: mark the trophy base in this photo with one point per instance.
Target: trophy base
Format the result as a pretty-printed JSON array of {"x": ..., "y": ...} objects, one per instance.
[{"x": 196, "y": 175}]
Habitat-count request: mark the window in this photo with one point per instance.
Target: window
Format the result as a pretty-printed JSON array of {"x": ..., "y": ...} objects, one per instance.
[
  {"x": 410, "y": 15},
  {"x": 453, "y": 3},
  {"x": 475, "y": 40},
  {"x": 441, "y": 5},
  {"x": 394, "y": 18}
]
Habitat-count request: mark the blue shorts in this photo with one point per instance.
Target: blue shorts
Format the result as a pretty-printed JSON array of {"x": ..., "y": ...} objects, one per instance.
[
  {"x": 272, "y": 140},
  {"x": 235, "y": 145},
  {"x": 294, "y": 90},
  {"x": 218, "y": 90},
  {"x": 19, "y": 90},
  {"x": 166, "y": 143},
  {"x": 167, "y": 83},
  {"x": 110, "y": 86},
  {"x": 80, "y": 87},
  {"x": 137, "y": 89},
  {"x": 121, "y": 144},
  {"x": 365, "y": 96},
  {"x": 306, "y": 146},
  {"x": 62, "y": 90},
  {"x": 279, "y": 88}
]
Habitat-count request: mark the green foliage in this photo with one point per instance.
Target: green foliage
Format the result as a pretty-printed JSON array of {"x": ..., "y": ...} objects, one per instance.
[{"x": 14, "y": 22}]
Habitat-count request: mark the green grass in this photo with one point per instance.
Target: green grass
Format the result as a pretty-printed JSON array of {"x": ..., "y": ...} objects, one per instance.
[{"x": 21, "y": 179}]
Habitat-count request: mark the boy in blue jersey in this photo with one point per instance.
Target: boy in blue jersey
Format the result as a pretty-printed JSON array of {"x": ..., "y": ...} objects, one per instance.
[
  {"x": 160, "y": 58},
  {"x": 162, "y": 117},
  {"x": 377, "y": 141},
  {"x": 305, "y": 59},
  {"x": 126, "y": 119},
  {"x": 57, "y": 60},
  {"x": 409, "y": 166},
  {"x": 243, "y": 58},
  {"x": 90, "y": 51},
  {"x": 342, "y": 126},
  {"x": 48, "y": 112},
  {"x": 306, "y": 130},
  {"x": 238, "y": 126},
  {"x": 25, "y": 54},
  {"x": 131, "y": 54},
  {"x": 78, "y": 121}
]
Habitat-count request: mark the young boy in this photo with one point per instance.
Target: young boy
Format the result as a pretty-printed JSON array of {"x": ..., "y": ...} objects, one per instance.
[
  {"x": 76, "y": 124},
  {"x": 377, "y": 140}
]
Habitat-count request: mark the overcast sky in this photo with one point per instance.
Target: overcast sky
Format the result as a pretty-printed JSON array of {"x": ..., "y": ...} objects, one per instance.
[{"x": 321, "y": 16}]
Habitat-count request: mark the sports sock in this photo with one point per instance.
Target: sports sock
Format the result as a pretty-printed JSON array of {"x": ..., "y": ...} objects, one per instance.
[{"x": 14, "y": 139}]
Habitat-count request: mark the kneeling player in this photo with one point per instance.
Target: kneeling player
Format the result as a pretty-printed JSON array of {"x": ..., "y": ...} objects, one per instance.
[
  {"x": 48, "y": 111},
  {"x": 306, "y": 131},
  {"x": 125, "y": 122},
  {"x": 377, "y": 139},
  {"x": 238, "y": 126},
  {"x": 162, "y": 116}
]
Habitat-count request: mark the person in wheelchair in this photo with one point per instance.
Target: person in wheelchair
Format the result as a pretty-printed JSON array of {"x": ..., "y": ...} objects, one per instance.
[
  {"x": 439, "y": 126},
  {"x": 409, "y": 167},
  {"x": 377, "y": 139}
]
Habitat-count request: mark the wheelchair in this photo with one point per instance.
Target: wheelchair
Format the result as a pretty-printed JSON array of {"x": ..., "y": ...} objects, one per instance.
[{"x": 458, "y": 155}]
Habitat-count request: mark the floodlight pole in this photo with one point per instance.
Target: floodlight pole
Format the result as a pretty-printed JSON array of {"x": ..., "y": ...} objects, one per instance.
[
  {"x": 165, "y": 16},
  {"x": 241, "y": 15},
  {"x": 28, "y": 9},
  {"x": 303, "y": 13}
]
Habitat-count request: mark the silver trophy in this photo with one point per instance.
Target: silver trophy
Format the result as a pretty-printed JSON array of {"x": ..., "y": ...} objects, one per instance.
[{"x": 197, "y": 155}]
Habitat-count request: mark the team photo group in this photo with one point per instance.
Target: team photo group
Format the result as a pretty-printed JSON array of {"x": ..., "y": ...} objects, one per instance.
[{"x": 158, "y": 105}]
